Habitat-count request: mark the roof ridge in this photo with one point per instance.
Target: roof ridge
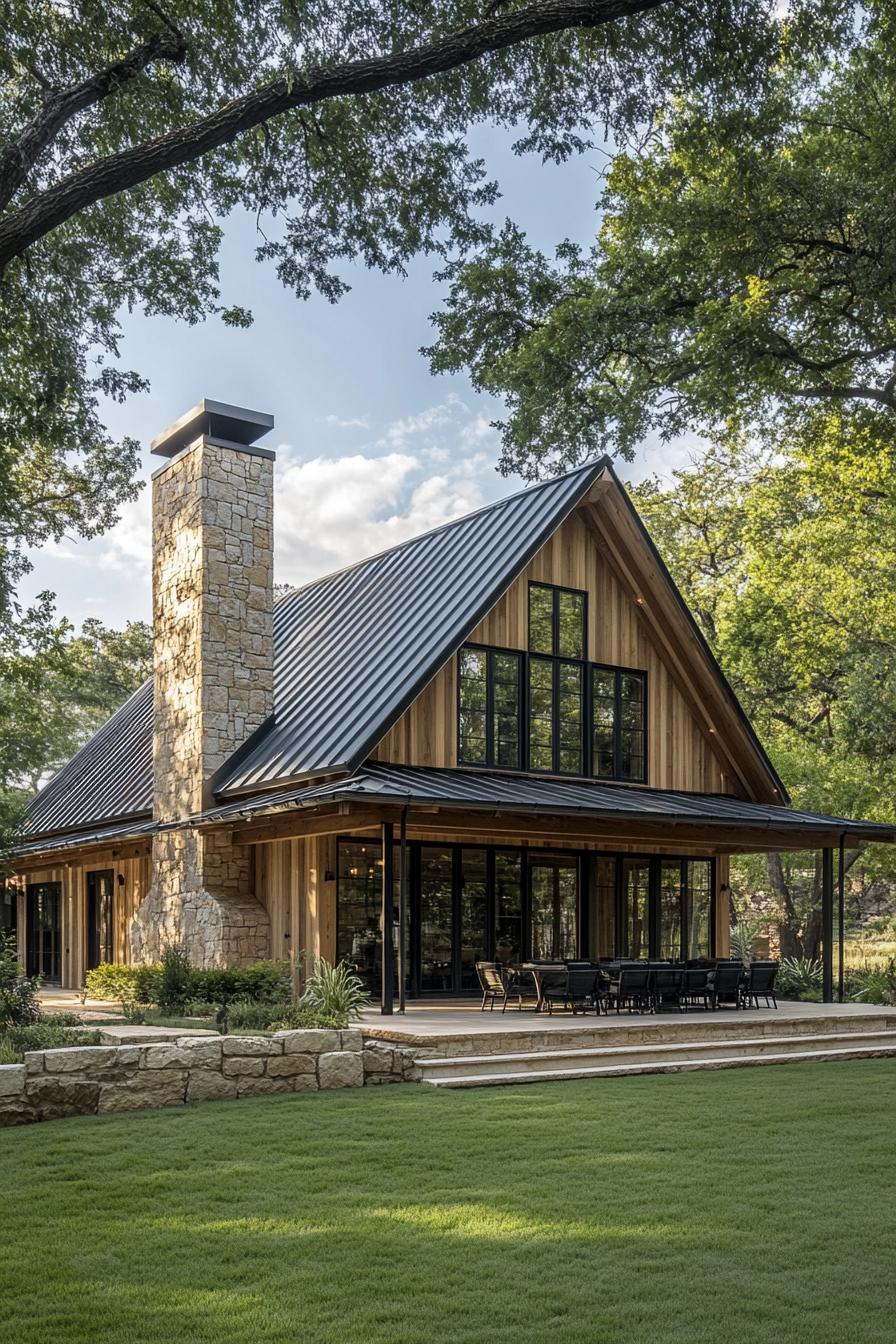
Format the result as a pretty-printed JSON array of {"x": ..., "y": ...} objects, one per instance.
[{"x": 442, "y": 527}]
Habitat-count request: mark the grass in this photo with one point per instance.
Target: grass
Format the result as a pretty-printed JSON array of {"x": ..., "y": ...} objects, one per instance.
[{"x": 750, "y": 1204}]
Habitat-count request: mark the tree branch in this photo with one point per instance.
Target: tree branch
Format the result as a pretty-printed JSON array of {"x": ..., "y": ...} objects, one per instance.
[
  {"x": 61, "y": 105},
  {"x": 119, "y": 172}
]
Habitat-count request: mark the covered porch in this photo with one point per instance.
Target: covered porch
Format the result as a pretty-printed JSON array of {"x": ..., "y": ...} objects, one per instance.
[{"x": 463, "y": 866}]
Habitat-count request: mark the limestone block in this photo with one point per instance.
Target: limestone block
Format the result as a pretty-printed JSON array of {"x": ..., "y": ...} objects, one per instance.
[
  {"x": 259, "y": 1087},
  {"x": 12, "y": 1080},
  {"x": 206, "y": 1085},
  {"x": 341, "y": 1068},
  {"x": 144, "y": 1092},
  {"x": 53, "y": 1096},
  {"x": 80, "y": 1059},
  {"x": 242, "y": 1066},
  {"x": 351, "y": 1039},
  {"x": 305, "y": 1082},
  {"x": 252, "y": 1045},
  {"x": 33, "y": 1061},
  {"x": 165, "y": 1056},
  {"x": 377, "y": 1060},
  {"x": 287, "y": 1066},
  {"x": 200, "y": 1051},
  {"x": 308, "y": 1042},
  {"x": 17, "y": 1111}
]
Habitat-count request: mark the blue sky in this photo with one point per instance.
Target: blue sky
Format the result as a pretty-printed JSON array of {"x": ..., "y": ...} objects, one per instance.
[{"x": 371, "y": 447}]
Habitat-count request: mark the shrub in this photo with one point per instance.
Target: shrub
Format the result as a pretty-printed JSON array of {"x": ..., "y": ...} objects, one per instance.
[
  {"x": 176, "y": 979},
  {"x": 875, "y": 984},
  {"x": 334, "y": 992},
  {"x": 798, "y": 977},
  {"x": 299, "y": 1017},
  {"x": 108, "y": 981},
  {"x": 48, "y": 1034},
  {"x": 243, "y": 1016},
  {"x": 18, "y": 991}
]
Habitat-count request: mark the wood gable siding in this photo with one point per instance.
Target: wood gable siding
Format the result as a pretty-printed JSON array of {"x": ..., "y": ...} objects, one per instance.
[
  {"x": 680, "y": 752},
  {"x": 295, "y": 882}
]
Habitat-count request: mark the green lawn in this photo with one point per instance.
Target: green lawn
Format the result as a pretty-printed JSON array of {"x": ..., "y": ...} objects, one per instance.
[{"x": 755, "y": 1206}]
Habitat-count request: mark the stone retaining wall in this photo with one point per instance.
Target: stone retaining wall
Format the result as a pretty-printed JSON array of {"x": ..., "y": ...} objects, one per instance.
[{"x": 98, "y": 1079}]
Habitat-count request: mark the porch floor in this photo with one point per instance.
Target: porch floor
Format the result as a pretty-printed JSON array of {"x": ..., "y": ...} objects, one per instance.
[{"x": 435, "y": 1022}]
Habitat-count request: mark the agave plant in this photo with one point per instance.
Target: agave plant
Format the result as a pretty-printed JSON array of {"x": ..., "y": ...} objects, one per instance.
[
  {"x": 798, "y": 976},
  {"x": 334, "y": 992},
  {"x": 743, "y": 936}
]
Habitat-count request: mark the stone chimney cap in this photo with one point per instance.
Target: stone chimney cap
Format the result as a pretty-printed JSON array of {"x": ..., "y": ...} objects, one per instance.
[{"x": 231, "y": 425}]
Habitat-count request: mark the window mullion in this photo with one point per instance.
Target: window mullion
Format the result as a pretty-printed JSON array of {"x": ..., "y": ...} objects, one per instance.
[{"x": 489, "y": 709}]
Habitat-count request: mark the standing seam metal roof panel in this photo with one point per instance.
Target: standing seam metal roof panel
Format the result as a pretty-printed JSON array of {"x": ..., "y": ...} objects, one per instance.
[
  {"x": 506, "y": 792},
  {"x": 351, "y": 650},
  {"x": 109, "y": 778},
  {"x": 355, "y": 648}
]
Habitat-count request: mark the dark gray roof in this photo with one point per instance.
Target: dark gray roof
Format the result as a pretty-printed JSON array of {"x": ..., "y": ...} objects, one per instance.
[
  {"x": 116, "y": 834},
  {"x": 351, "y": 652},
  {"x": 354, "y": 649},
  {"x": 522, "y": 793},
  {"x": 108, "y": 779}
]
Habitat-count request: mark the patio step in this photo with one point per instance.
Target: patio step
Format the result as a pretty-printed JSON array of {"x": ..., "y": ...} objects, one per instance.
[{"x": 553, "y": 1064}]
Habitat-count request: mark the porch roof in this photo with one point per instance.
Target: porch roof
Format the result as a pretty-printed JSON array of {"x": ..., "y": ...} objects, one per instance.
[{"x": 487, "y": 791}]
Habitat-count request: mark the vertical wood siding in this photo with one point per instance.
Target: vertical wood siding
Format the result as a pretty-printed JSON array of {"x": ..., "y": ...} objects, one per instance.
[{"x": 680, "y": 754}]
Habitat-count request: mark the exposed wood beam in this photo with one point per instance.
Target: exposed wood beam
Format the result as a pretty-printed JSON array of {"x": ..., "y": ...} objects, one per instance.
[{"x": 292, "y": 826}]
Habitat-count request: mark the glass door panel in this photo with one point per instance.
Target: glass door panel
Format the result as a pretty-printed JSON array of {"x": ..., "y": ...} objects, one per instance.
[
  {"x": 43, "y": 952},
  {"x": 508, "y": 905},
  {"x": 699, "y": 878},
  {"x": 100, "y": 887},
  {"x": 670, "y": 909},
  {"x": 602, "y": 921},
  {"x": 436, "y": 919},
  {"x": 636, "y": 893},
  {"x": 553, "y": 910},
  {"x": 473, "y": 897}
]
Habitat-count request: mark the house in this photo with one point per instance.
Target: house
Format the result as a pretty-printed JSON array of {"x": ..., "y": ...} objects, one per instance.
[{"x": 506, "y": 738}]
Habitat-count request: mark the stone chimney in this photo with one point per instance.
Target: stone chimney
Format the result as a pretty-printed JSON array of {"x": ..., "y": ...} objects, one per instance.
[{"x": 212, "y": 579}]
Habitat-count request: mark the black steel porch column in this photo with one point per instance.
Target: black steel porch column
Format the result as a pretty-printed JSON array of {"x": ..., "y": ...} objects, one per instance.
[
  {"x": 388, "y": 994},
  {"x": 402, "y": 908},
  {"x": 827, "y": 924},
  {"x": 841, "y": 917}
]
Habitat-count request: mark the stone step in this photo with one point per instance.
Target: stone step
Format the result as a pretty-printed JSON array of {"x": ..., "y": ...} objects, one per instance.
[
  {"x": 681, "y": 1065},
  {"x": 516, "y": 1035},
  {"x": 576, "y": 1057}
]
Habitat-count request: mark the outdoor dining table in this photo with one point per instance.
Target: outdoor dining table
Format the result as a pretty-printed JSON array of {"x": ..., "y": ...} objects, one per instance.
[{"x": 541, "y": 975}]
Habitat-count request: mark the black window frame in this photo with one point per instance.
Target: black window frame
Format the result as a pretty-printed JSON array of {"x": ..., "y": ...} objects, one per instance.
[
  {"x": 490, "y": 763},
  {"x": 557, "y": 659},
  {"x": 618, "y": 673}
]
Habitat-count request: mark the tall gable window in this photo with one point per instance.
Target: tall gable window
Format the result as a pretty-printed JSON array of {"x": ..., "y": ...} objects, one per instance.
[
  {"x": 618, "y": 718},
  {"x": 489, "y": 689},
  {"x": 556, "y": 681},
  {"x": 549, "y": 710}
]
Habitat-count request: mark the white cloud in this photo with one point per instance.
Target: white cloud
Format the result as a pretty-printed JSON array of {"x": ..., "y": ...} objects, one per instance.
[{"x": 338, "y": 423}]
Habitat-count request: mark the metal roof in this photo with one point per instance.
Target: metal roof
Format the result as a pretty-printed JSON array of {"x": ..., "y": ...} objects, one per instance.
[
  {"x": 102, "y": 835},
  {"x": 523, "y": 793},
  {"x": 354, "y": 649},
  {"x": 108, "y": 779},
  {"x": 351, "y": 652}
]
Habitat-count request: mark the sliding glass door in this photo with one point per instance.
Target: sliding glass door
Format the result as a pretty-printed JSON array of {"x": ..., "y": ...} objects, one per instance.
[{"x": 554, "y": 909}]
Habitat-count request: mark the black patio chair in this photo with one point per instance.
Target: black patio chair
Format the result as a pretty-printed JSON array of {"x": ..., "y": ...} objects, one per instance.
[
  {"x": 759, "y": 982},
  {"x": 726, "y": 984},
  {"x": 632, "y": 990},
  {"x": 581, "y": 982},
  {"x": 501, "y": 986},
  {"x": 695, "y": 987},
  {"x": 665, "y": 987}
]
